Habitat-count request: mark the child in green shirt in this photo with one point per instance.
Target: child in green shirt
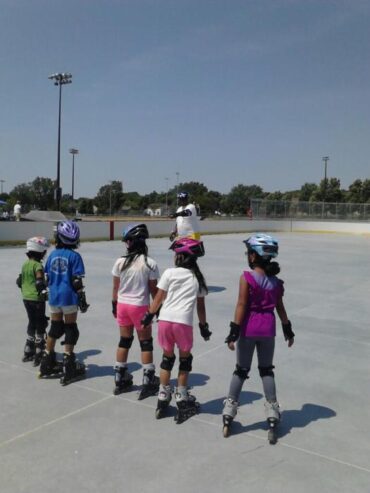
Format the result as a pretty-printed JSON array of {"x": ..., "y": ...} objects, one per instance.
[{"x": 32, "y": 283}]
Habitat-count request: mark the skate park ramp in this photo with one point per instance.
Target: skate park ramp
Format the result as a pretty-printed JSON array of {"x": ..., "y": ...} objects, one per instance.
[
  {"x": 81, "y": 438},
  {"x": 45, "y": 216}
]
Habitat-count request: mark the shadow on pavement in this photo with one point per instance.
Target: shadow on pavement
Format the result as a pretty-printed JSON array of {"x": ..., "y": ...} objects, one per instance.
[
  {"x": 292, "y": 418},
  {"x": 216, "y": 289}
]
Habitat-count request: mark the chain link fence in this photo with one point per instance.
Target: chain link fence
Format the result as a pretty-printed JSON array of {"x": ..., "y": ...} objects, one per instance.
[{"x": 276, "y": 209}]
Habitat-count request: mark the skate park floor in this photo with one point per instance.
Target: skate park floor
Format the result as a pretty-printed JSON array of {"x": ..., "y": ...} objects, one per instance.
[{"x": 81, "y": 438}]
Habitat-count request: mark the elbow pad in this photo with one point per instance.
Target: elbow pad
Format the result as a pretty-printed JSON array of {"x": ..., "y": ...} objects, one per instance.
[
  {"x": 77, "y": 283},
  {"x": 40, "y": 286}
]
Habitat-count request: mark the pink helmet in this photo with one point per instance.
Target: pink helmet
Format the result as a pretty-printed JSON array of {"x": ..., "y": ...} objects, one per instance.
[{"x": 188, "y": 246}]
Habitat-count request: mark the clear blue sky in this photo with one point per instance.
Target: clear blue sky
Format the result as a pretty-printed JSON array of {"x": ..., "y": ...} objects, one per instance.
[{"x": 221, "y": 91}]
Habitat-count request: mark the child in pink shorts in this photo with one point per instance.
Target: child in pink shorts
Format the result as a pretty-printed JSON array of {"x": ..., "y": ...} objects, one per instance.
[
  {"x": 134, "y": 280},
  {"x": 179, "y": 289}
]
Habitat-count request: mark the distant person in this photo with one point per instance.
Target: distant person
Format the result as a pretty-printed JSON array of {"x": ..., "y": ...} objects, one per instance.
[
  {"x": 135, "y": 277},
  {"x": 33, "y": 285},
  {"x": 260, "y": 292},
  {"x": 5, "y": 216},
  {"x": 187, "y": 222},
  {"x": 17, "y": 211},
  {"x": 181, "y": 289},
  {"x": 65, "y": 270}
]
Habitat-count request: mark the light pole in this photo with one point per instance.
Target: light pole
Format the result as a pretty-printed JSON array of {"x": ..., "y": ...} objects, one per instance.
[
  {"x": 325, "y": 159},
  {"x": 59, "y": 80},
  {"x": 166, "y": 196},
  {"x": 2, "y": 181},
  {"x": 110, "y": 198},
  {"x": 177, "y": 188},
  {"x": 73, "y": 152}
]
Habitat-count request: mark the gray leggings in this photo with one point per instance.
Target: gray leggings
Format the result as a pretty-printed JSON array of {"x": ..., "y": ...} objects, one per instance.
[{"x": 244, "y": 354}]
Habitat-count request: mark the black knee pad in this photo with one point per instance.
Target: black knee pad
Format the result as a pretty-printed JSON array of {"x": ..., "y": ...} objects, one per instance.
[
  {"x": 147, "y": 345},
  {"x": 71, "y": 334},
  {"x": 126, "y": 342},
  {"x": 167, "y": 362},
  {"x": 266, "y": 371},
  {"x": 241, "y": 372},
  {"x": 185, "y": 363},
  {"x": 56, "y": 329}
]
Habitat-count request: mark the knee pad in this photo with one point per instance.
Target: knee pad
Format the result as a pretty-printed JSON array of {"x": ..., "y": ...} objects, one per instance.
[
  {"x": 266, "y": 371},
  {"x": 185, "y": 363},
  {"x": 71, "y": 334},
  {"x": 56, "y": 329},
  {"x": 167, "y": 362},
  {"x": 241, "y": 372},
  {"x": 147, "y": 345},
  {"x": 125, "y": 342}
]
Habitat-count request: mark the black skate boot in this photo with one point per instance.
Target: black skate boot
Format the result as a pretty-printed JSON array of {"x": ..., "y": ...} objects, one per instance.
[
  {"x": 39, "y": 349},
  {"x": 150, "y": 384},
  {"x": 122, "y": 380},
  {"x": 49, "y": 365},
  {"x": 187, "y": 405},
  {"x": 272, "y": 410},
  {"x": 228, "y": 415},
  {"x": 29, "y": 349},
  {"x": 73, "y": 370},
  {"x": 164, "y": 399}
]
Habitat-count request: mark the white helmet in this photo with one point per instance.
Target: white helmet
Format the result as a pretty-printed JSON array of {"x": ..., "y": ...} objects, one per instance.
[
  {"x": 37, "y": 244},
  {"x": 264, "y": 245}
]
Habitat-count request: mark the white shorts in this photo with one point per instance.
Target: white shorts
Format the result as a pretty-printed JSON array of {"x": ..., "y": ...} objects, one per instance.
[{"x": 66, "y": 310}]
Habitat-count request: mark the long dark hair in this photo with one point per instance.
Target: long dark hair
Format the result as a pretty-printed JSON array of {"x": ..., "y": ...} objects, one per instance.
[
  {"x": 135, "y": 248},
  {"x": 190, "y": 262},
  {"x": 270, "y": 268}
]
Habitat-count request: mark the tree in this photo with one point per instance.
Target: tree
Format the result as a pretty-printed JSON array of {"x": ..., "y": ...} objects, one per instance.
[
  {"x": 306, "y": 192},
  {"x": 329, "y": 191},
  {"x": 43, "y": 189},
  {"x": 355, "y": 192},
  {"x": 238, "y": 200},
  {"x": 366, "y": 190},
  {"x": 110, "y": 197}
]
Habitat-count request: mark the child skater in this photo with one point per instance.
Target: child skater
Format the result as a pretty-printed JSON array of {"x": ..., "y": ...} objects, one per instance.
[
  {"x": 135, "y": 278},
  {"x": 179, "y": 289},
  {"x": 260, "y": 292},
  {"x": 64, "y": 269},
  {"x": 32, "y": 283}
]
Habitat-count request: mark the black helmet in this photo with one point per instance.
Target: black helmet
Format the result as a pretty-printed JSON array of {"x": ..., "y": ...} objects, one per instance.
[{"x": 135, "y": 232}]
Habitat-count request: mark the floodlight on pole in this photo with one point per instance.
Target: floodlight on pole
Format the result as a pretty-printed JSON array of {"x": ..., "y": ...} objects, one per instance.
[
  {"x": 59, "y": 79},
  {"x": 73, "y": 152}
]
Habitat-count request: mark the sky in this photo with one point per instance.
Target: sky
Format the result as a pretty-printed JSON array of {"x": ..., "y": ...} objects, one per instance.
[{"x": 220, "y": 92}]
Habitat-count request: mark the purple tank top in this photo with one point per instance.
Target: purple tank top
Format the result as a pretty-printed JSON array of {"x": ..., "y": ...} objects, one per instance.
[{"x": 264, "y": 293}]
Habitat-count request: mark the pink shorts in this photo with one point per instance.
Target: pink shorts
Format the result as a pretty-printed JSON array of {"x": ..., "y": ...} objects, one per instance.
[
  {"x": 171, "y": 333},
  {"x": 130, "y": 315}
]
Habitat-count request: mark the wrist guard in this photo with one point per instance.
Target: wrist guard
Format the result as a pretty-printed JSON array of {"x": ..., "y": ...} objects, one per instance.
[
  {"x": 82, "y": 303},
  {"x": 204, "y": 331},
  {"x": 147, "y": 319},
  {"x": 234, "y": 333},
  {"x": 287, "y": 330},
  {"x": 114, "y": 308},
  {"x": 18, "y": 281}
]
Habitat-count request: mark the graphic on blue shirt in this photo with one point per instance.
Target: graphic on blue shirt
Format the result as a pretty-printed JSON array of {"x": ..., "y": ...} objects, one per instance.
[{"x": 61, "y": 265}]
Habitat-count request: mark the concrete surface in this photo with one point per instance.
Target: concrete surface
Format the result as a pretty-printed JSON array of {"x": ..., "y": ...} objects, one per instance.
[{"x": 81, "y": 438}]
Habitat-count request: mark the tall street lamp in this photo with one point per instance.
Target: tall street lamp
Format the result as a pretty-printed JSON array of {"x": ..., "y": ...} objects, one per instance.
[
  {"x": 325, "y": 159},
  {"x": 166, "y": 196},
  {"x": 73, "y": 152},
  {"x": 59, "y": 79},
  {"x": 177, "y": 188}
]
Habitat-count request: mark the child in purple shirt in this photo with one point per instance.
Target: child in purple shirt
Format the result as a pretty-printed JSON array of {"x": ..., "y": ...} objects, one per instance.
[{"x": 260, "y": 292}]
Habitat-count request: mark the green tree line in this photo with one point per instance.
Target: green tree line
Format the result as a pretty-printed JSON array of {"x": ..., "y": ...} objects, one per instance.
[{"x": 111, "y": 198}]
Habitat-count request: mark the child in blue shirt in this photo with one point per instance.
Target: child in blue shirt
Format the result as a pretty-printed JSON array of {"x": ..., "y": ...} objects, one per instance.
[{"x": 64, "y": 270}]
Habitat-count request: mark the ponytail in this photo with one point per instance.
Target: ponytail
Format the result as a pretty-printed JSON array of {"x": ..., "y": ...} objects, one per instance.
[{"x": 190, "y": 262}]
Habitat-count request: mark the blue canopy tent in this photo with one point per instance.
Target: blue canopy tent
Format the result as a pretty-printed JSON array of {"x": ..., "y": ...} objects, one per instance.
[{"x": 2, "y": 202}]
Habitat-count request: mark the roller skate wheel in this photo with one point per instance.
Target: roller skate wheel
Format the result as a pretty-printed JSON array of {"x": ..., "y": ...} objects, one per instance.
[
  {"x": 39, "y": 375},
  {"x": 272, "y": 437},
  {"x": 159, "y": 413},
  {"x": 226, "y": 431}
]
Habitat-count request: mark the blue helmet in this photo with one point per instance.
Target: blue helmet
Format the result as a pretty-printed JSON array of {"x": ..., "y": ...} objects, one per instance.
[
  {"x": 264, "y": 245},
  {"x": 68, "y": 233}
]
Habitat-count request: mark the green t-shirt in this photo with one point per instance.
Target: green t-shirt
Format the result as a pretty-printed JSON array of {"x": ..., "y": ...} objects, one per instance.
[{"x": 29, "y": 269}]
